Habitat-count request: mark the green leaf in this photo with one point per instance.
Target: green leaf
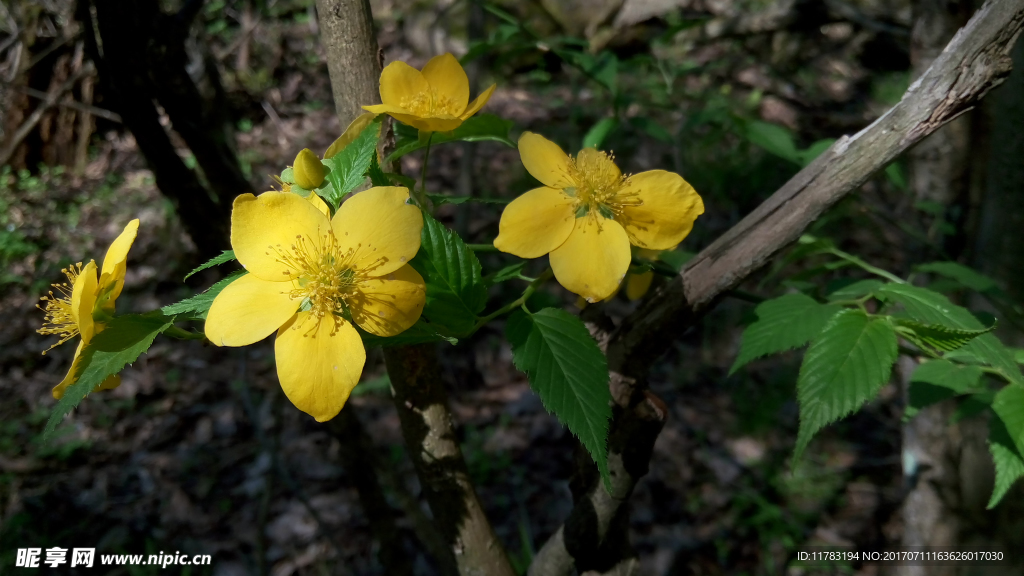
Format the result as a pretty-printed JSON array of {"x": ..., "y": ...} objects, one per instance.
[
  {"x": 197, "y": 306},
  {"x": 1006, "y": 457},
  {"x": 350, "y": 165},
  {"x": 845, "y": 366},
  {"x": 510, "y": 272},
  {"x": 857, "y": 290},
  {"x": 936, "y": 380},
  {"x": 419, "y": 333},
  {"x": 1009, "y": 406},
  {"x": 962, "y": 274},
  {"x": 225, "y": 256},
  {"x": 814, "y": 150},
  {"x": 653, "y": 128},
  {"x": 569, "y": 373},
  {"x": 930, "y": 307},
  {"x": 481, "y": 127},
  {"x": 937, "y": 337},
  {"x": 894, "y": 172},
  {"x": 597, "y": 133},
  {"x": 972, "y": 405},
  {"x": 785, "y": 323},
  {"x": 439, "y": 199},
  {"x": 773, "y": 138},
  {"x": 379, "y": 177},
  {"x": 121, "y": 342},
  {"x": 456, "y": 293},
  {"x": 288, "y": 175},
  {"x": 676, "y": 259},
  {"x": 1018, "y": 355}
]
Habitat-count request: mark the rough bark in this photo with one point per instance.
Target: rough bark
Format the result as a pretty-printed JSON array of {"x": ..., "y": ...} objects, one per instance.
[
  {"x": 976, "y": 60},
  {"x": 353, "y": 58},
  {"x": 420, "y": 397}
]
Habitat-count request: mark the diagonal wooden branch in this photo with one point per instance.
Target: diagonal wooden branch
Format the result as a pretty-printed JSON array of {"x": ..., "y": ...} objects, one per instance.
[{"x": 975, "y": 61}]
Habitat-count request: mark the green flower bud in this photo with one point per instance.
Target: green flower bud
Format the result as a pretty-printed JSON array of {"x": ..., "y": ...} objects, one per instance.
[{"x": 308, "y": 171}]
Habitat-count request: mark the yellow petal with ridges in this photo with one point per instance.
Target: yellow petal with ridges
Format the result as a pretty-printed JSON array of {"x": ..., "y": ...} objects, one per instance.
[
  {"x": 535, "y": 223},
  {"x": 449, "y": 81},
  {"x": 544, "y": 160},
  {"x": 264, "y": 226},
  {"x": 670, "y": 206},
  {"x": 111, "y": 382},
  {"x": 399, "y": 83},
  {"x": 389, "y": 304},
  {"x": 114, "y": 266},
  {"x": 248, "y": 310},
  {"x": 83, "y": 301},
  {"x": 381, "y": 227},
  {"x": 318, "y": 366},
  {"x": 350, "y": 133},
  {"x": 594, "y": 259},
  {"x": 479, "y": 102},
  {"x": 70, "y": 377},
  {"x": 426, "y": 124},
  {"x": 319, "y": 203}
]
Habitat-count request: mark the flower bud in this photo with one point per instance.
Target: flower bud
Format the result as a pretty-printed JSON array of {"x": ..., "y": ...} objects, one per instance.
[{"x": 308, "y": 171}]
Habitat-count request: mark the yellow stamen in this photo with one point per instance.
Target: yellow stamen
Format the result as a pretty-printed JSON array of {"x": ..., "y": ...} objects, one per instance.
[
  {"x": 59, "y": 319},
  {"x": 599, "y": 187},
  {"x": 430, "y": 103}
]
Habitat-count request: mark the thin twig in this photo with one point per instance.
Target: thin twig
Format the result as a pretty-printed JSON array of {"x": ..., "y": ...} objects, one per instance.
[{"x": 73, "y": 104}]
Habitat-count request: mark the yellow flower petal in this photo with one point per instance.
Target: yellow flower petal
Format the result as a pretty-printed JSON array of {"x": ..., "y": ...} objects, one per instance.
[
  {"x": 259, "y": 225},
  {"x": 111, "y": 382},
  {"x": 114, "y": 267},
  {"x": 431, "y": 124},
  {"x": 70, "y": 377},
  {"x": 479, "y": 102},
  {"x": 535, "y": 223},
  {"x": 350, "y": 133},
  {"x": 248, "y": 310},
  {"x": 594, "y": 258},
  {"x": 399, "y": 82},
  {"x": 319, "y": 203},
  {"x": 83, "y": 301},
  {"x": 390, "y": 304},
  {"x": 544, "y": 160},
  {"x": 638, "y": 284},
  {"x": 307, "y": 169},
  {"x": 317, "y": 368},
  {"x": 446, "y": 76},
  {"x": 670, "y": 205},
  {"x": 381, "y": 227}
]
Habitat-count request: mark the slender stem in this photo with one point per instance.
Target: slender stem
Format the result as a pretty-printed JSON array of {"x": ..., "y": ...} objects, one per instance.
[
  {"x": 868, "y": 267},
  {"x": 518, "y": 301},
  {"x": 482, "y": 247},
  {"x": 175, "y": 332},
  {"x": 423, "y": 173}
]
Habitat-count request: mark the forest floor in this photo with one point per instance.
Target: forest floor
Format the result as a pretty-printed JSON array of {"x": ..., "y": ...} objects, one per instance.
[{"x": 198, "y": 450}]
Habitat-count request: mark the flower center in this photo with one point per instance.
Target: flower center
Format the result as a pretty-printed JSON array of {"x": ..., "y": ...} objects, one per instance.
[
  {"x": 599, "y": 186},
  {"x": 431, "y": 103},
  {"x": 328, "y": 277},
  {"x": 59, "y": 319}
]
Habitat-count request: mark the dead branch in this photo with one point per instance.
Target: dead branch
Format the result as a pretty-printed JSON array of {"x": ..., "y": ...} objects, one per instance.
[
  {"x": 73, "y": 104},
  {"x": 975, "y": 61}
]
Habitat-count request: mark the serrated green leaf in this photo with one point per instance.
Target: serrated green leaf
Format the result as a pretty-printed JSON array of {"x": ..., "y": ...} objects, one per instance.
[
  {"x": 197, "y": 306},
  {"x": 962, "y": 274},
  {"x": 350, "y": 165},
  {"x": 121, "y": 342},
  {"x": 379, "y": 177},
  {"x": 1009, "y": 406},
  {"x": 845, "y": 366},
  {"x": 1007, "y": 459},
  {"x": 597, "y": 133},
  {"x": 225, "y": 256},
  {"x": 569, "y": 373},
  {"x": 510, "y": 272},
  {"x": 856, "y": 290},
  {"x": 972, "y": 405},
  {"x": 481, "y": 127},
  {"x": 930, "y": 307},
  {"x": 456, "y": 292},
  {"x": 784, "y": 323},
  {"x": 934, "y": 336},
  {"x": 936, "y": 380},
  {"x": 419, "y": 333}
]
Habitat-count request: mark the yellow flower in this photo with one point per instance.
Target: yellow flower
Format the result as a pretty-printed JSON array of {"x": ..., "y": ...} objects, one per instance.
[
  {"x": 354, "y": 128},
  {"x": 310, "y": 278},
  {"x": 70, "y": 313},
  {"x": 435, "y": 99},
  {"x": 587, "y": 214},
  {"x": 638, "y": 284}
]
